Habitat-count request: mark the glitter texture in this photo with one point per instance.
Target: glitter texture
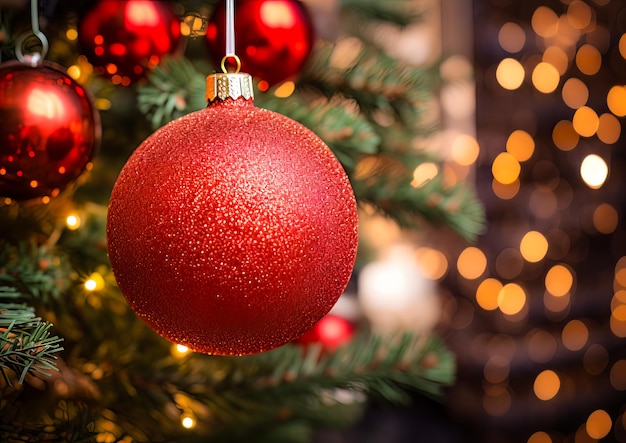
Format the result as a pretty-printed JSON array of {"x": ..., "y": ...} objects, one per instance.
[{"x": 232, "y": 230}]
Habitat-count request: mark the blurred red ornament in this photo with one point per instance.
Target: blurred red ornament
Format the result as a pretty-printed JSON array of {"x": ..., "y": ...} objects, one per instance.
[
  {"x": 48, "y": 130},
  {"x": 331, "y": 331},
  {"x": 233, "y": 229},
  {"x": 124, "y": 39},
  {"x": 273, "y": 38}
]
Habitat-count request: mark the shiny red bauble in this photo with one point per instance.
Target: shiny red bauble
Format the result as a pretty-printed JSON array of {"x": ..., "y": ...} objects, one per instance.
[
  {"x": 232, "y": 230},
  {"x": 330, "y": 332},
  {"x": 273, "y": 38},
  {"x": 124, "y": 39},
  {"x": 49, "y": 130}
]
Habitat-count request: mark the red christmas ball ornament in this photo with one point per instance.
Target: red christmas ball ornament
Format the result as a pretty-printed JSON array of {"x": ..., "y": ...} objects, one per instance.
[
  {"x": 331, "y": 332},
  {"x": 49, "y": 130},
  {"x": 233, "y": 229},
  {"x": 124, "y": 39},
  {"x": 273, "y": 37}
]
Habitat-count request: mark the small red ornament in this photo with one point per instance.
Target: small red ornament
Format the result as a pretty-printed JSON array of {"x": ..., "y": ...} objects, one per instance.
[
  {"x": 331, "y": 332},
  {"x": 123, "y": 39},
  {"x": 48, "y": 130},
  {"x": 273, "y": 37},
  {"x": 233, "y": 229}
]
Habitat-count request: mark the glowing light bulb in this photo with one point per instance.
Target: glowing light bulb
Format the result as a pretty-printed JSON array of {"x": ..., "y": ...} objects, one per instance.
[
  {"x": 188, "y": 422},
  {"x": 72, "y": 222},
  {"x": 594, "y": 171},
  {"x": 94, "y": 282}
]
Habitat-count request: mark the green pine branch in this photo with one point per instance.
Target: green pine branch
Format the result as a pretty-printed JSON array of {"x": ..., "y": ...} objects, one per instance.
[
  {"x": 27, "y": 345},
  {"x": 400, "y": 12}
]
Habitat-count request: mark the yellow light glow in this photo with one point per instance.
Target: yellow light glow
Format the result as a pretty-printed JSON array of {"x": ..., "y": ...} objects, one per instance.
[
  {"x": 545, "y": 77},
  {"x": 505, "y": 168},
  {"x": 546, "y": 385},
  {"x": 594, "y": 171},
  {"x": 559, "y": 280},
  {"x": 511, "y": 37},
  {"x": 616, "y": 100},
  {"x": 464, "y": 150},
  {"x": 94, "y": 282},
  {"x": 71, "y": 34},
  {"x": 564, "y": 136},
  {"x": 424, "y": 173},
  {"x": 557, "y": 57},
  {"x": 188, "y": 422},
  {"x": 74, "y": 72},
  {"x": 434, "y": 263},
  {"x": 511, "y": 299},
  {"x": 575, "y": 335},
  {"x": 471, "y": 263},
  {"x": 487, "y": 294},
  {"x": 575, "y": 93},
  {"x": 598, "y": 424},
  {"x": 72, "y": 222},
  {"x": 534, "y": 246},
  {"x": 510, "y": 74},
  {"x": 520, "y": 145},
  {"x": 285, "y": 89},
  {"x": 605, "y": 218},
  {"x": 579, "y": 14},
  {"x": 609, "y": 129},
  {"x": 588, "y": 59},
  {"x": 545, "y": 22},
  {"x": 586, "y": 121}
]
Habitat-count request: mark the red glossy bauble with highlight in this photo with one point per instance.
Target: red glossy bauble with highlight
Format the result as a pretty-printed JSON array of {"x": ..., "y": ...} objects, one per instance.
[
  {"x": 49, "y": 130},
  {"x": 232, "y": 230},
  {"x": 273, "y": 38},
  {"x": 124, "y": 39}
]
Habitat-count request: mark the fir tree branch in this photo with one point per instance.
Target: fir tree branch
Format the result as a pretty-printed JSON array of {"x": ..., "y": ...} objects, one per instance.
[
  {"x": 395, "y": 11},
  {"x": 26, "y": 343}
]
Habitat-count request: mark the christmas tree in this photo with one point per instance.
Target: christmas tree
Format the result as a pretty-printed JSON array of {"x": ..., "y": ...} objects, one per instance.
[{"x": 77, "y": 363}]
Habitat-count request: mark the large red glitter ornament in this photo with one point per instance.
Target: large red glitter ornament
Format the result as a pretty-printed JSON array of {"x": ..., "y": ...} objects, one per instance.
[
  {"x": 273, "y": 37},
  {"x": 123, "y": 39},
  {"x": 233, "y": 229},
  {"x": 48, "y": 130}
]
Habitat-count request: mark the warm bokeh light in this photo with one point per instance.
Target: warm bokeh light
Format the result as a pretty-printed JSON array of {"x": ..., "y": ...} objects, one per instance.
[
  {"x": 605, "y": 218},
  {"x": 559, "y": 280},
  {"x": 609, "y": 129},
  {"x": 545, "y": 22},
  {"x": 94, "y": 282},
  {"x": 511, "y": 37},
  {"x": 471, "y": 263},
  {"x": 541, "y": 345},
  {"x": 464, "y": 150},
  {"x": 588, "y": 59},
  {"x": 585, "y": 121},
  {"x": 557, "y": 57},
  {"x": 510, "y": 74},
  {"x": 545, "y": 78},
  {"x": 505, "y": 168},
  {"x": 546, "y": 385},
  {"x": 505, "y": 192},
  {"x": 564, "y": 136},
  {"x": 575, "y": 93},
  {"x": 575, "y": 335},
  {"x": 487, "y": 294},
  {"x": 617, "y": 376},
  {"x": 520, "y": 145},
  {"x": 72, "y": 222},
  {"x": 433, "y": 262},
  {"x": 424, "y": 173},
  {"x": 594, "y": 171},
  {"x": 534, "y": 246},
  {"x": 539, "y": 437},
  {"x": 598, "y": 424},
  {"x": 188, "y": 422},
  {"x": 285, "y": 89},
  {"x": 511, "y": 299},
  {"x": 496, "y": 369},
  {"x": 579, "y": 14},
  {"x": 616, "y": 100}
]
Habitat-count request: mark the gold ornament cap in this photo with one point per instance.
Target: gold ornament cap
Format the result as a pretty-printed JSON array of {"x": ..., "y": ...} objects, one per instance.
[{"x": 233, "y": 85}]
